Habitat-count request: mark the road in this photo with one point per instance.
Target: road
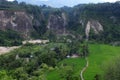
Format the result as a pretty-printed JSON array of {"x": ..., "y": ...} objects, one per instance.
[{"x": 83, "y": 70}]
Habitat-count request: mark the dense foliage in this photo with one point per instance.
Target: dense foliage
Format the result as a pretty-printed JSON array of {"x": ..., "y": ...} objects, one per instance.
[
  {"x": 112, "y": 71},
  {"x": 10, "y": 38},
  {"x": 33, "y": 61},
  {"x": 106, "y": 13}
]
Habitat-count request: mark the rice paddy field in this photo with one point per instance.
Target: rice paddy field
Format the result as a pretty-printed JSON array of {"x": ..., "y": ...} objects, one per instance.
[{"x": 100, "y": 54}]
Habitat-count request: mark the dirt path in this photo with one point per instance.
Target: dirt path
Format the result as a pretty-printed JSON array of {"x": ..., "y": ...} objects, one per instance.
[
  {"x": 83, "y": 70},
  {"x": 4, "y": 50}
]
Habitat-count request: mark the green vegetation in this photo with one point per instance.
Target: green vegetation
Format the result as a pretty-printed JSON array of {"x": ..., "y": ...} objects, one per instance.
[
  {"x": 100, "y": 55},
  {"x": 48, "y": 61},
  {"x": 60, "y": 73},
  {"x": 4, "y": 75},
  {"x": 111, "y": 70},
  {"x": 106, "y": 13},
  {"x": 10, "y": 38},
  {"x": 40, "y": 60}
]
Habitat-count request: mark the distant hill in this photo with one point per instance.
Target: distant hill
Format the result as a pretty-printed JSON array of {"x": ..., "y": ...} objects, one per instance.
[{"x": 96, "y": 22}]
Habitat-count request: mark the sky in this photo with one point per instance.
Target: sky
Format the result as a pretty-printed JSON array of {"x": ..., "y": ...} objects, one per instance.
[{"x": 61, "y": 3}]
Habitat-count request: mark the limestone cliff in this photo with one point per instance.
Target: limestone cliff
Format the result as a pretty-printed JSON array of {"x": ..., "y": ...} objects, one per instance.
[
  {"x": 95, "y": 26},
  {"x": 18, "y": 21},
  {"x": 22, "y": 22},
  {"x": 57, "y": 23}
]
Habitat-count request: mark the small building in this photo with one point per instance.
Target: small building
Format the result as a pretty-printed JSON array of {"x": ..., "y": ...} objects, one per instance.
[
  {"x": 73, "y": 56},
  {"x": 68, "y": 56}
]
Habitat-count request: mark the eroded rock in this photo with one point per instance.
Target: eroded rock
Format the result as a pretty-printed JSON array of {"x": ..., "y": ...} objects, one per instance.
[{"x": 95, "y": 25}]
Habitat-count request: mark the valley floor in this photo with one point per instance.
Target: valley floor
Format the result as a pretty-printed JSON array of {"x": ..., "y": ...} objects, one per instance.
[{"x": 99, "y": 55}]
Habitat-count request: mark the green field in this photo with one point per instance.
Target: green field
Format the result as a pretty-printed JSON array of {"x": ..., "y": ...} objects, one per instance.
[
  {"x": 78, "y": 63},
  {"x": 99, "y": 55}
]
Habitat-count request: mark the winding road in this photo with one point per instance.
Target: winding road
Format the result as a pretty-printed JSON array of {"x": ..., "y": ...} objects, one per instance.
[{"x": 83, "y": 70}]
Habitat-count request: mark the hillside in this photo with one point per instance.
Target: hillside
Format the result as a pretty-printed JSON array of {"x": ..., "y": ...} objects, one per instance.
[
  {"x": 96, "y": 22},
  {"x": 68, "y": 43}
]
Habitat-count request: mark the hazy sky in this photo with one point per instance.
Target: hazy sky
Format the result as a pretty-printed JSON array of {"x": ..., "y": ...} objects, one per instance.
[{"x": 60, "y": 3}]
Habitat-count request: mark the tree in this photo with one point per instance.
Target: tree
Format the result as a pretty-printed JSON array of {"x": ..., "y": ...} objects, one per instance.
[
  {"x": 85, "y": 50},
  {"x": 4, "y": 76},
  {"x": 112, "y": 71},
  {"x": 67, "y": 73},
  {"x": 20, "y": 74}
]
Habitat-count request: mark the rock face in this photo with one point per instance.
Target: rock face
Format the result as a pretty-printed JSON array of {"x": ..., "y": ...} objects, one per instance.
[
  {"x": 22, "y": 22},
  {"x": 57, "y": 23},
  {"x": 95, "y": 26},
  {"x": 16, "y": 20}
]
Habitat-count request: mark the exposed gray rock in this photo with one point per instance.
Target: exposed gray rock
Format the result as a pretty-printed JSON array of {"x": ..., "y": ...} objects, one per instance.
[
  {"x": 95, "y": 25},
  {"x": 57, "y": 23},
  {"x": 16, "y": 20}
]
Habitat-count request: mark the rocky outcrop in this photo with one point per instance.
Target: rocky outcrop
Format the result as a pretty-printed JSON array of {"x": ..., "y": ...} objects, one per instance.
[
  {"x": 95, "y": 26},
  {"x": 18, "y": 21},
  {"x": 23, "y": 23},
  {"x": 57, "y": 23}
]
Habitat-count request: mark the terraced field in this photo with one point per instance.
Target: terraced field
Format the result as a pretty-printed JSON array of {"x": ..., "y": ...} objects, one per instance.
[{"x": 99, "y": 55}]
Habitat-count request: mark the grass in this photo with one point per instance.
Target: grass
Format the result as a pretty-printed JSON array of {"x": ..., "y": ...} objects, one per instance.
[
  {"x": 99, "y": 55},
  {"x": 78, "y": 63}
]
